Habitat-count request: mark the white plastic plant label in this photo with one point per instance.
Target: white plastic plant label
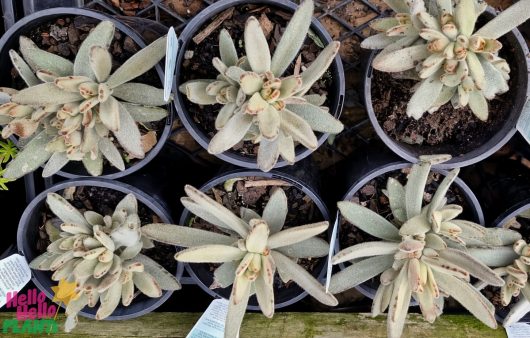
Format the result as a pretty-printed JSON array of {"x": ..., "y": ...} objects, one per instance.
[
  {"x": 523, "y": 124},
  {"x": 518, "y": 330},
  {"x": 172, "y": 47},
  {"x": 14, "y": 275},
  {"x": 331, "y": 251},
  {"x": 212, "y": 322}
]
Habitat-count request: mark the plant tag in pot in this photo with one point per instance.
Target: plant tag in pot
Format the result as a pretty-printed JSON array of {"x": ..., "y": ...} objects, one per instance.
[
  {"x": 332, "y": 241},
  {"x": 523, "y": 124},
  {"x": 172, "y": 48},
  {"x": 14, "y": 275},
  {"x": 518, "y": 330},
  {"x": 212, "y": 322}
]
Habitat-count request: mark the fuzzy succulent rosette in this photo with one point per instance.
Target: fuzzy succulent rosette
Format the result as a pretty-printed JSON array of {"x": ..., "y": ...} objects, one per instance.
[
  {"x": 102, "y": 255},
  {"x": 259, "y": 103},
  {"x": 80, "y": 111},
  {"x": 436, "y": 43}
]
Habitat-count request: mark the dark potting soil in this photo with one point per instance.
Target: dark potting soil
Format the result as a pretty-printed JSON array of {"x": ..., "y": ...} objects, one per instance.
[
  {"x": 448, "y": 130},
  {"x": 104, "y": 201},
  {"x": 63, "y": 36},
  {"x": 458, "y": 130},
  {"x": 302, "y": 210},
  {"x": 371, "y": 196},
  {"x": 493, "y": 293},
  {"x": 198, "y": 62}
]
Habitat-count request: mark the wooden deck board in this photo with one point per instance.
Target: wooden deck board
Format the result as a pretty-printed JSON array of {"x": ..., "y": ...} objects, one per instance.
[{"x": 283, "y": 325}]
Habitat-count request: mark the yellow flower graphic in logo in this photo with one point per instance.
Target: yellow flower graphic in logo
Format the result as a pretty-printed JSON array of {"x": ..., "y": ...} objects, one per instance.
[{"x": 65, "y": 292}]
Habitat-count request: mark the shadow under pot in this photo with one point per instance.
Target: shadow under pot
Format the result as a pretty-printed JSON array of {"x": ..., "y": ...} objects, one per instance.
[
  {"x": 448, "y": 130},
  {"x": 521, "y": 225},
  {"x": 101, "y": 196},
  {"x": 194, "y": 61},
  {"x": 368, "y": 191},
  {"x": 252, "y": 190},
  {"x": 61, "y": 31}
]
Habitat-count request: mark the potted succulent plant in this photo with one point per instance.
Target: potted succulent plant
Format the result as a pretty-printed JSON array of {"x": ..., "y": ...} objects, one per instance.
[
  {"x": 419, "y": 251},
  {"x": 512, "y": 300},
  {"x": 251, "y": 249},
  {"x": 78, "y": 117},
  {"x": 366, "y": 176},
  {"x": 251, "y": 105},
  {"x": 447, "y": 59},
  {"x": 88, "y": 232}
]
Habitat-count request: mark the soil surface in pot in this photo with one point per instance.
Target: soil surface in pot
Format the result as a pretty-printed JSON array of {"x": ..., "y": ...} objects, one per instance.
[
  {"x": 371, "y": 196},
  {"x": 197, "y": 62},
  {"x": 254, "y": 193},
  {"x": 493, "y": 293},
  {"x": 104, "y": 201},
  {"x": 450, "y": 130},
  {"x": 63, "y": 36}
]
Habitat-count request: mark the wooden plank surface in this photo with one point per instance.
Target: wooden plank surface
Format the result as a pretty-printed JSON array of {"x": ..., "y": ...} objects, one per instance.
[{"x": 283, "y": 325}]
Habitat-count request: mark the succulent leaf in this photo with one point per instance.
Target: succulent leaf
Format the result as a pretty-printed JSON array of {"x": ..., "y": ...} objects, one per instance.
[
  {"x": 507, "y": 20},
  {"x": 296, "y": 234},
  {"x": 359, "y": 272},
  {"x": 139, "y": 93},
  {"x": 233, "y": 131},
  {"x": 469, "y": 297},
  {"x": 128, "y": 134},
  {"x": 256, "y": 47},
  {"x": 301, "y": 277},
  {"x": 368, "y": 221},
  {"x": 318, "y": 67},
  {"x": 139, "y": 63},
  {"x": 101, "y": 36},
  {"x": 319, "y": 119},
  {"x": 23, "y": 69},
  {"x": 39, "y": 59},
  {"x": 312, "y": 247},
  {"x": 183, "y": 236},
  {"x": 275, "y": 210},
  {"x": 55, "y": 163},
  {"x": 227, "y": 49},
  {"x": 100, "y": 62},
  {"x": 44, "y": 94},
  {"x": 293, "y": 37}
]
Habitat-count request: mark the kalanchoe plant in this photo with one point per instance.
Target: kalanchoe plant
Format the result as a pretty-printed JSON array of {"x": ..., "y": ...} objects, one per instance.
[
  {"x": 513, "y": 264},
  {"x": 70, "y": 109},
  {"x": 454, "y": 62},
  {"x": 421, "y": 252},
  {"x": 259, "y": 103},
  {"x": 253, "y": 248},
  {"x": 102, "y": 255}
]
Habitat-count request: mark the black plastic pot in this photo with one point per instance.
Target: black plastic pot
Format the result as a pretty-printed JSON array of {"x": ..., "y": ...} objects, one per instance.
[
  {"x": 12, "y": 203},
  {"x": 10, "y": 41},
  {"x": 27, "y": 236},
  {"x": 374, "y": 163},
  {"x": 514, "y": 44},
  {"x": 284, "y": 297},
  {"x": 501, "y": 184},
  {"x": 336, "y": 94},
  {"x": 8, "y": 14}
]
